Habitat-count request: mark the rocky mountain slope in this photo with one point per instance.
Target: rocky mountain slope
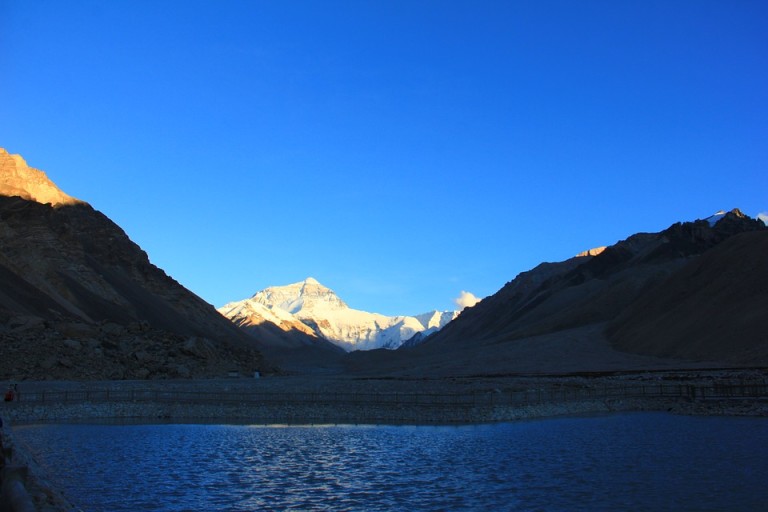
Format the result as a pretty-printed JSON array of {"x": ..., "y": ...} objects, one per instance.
[
  {"x": 292, "y": 345},
  {"x": 715, "y": 307},
  {"x": 314, "y": 309},
  {"x": 694, "y": 291},
  {"x": 79, "y": 299}
]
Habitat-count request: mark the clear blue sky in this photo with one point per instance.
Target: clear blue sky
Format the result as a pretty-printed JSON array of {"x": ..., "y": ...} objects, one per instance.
[{"x": 397, "y": 151}]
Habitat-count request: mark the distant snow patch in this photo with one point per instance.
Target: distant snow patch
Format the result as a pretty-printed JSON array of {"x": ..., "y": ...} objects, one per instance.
[
  {"x": 466, "y": 300},
  {"x": 763, "y": 216},
  {"x": 714, "y": 219}
]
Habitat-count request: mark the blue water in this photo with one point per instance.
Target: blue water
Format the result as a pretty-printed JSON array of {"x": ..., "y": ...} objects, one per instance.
[{"x": 643, "y": 461}]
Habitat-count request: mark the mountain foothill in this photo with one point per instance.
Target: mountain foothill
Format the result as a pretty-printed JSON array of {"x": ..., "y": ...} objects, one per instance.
[{"x": 80, "y": 301}]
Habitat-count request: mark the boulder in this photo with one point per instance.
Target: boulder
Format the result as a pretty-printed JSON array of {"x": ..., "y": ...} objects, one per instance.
[
  {"x": 77, "y": 330},
  {"x": 26, "y": 323},
  {"x": 202, "y": 348},
  {"x": 112, "y": 329},
  {"x": 139, "y": 326},
  {"x": 72, "y": 344}
]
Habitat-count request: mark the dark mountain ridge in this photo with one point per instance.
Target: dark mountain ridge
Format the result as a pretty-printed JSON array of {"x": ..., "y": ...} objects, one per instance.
[
  {"x": 68, "y": 271},
  {"x": 714, "y": 307},
  {"x": 586, "y": 290},
  {"x": 80, "y": 300},
  {"x": 591, "y": 312}
]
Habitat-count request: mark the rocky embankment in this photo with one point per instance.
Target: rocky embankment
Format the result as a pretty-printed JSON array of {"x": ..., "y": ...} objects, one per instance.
[
  {"x": 415, "y": 401},
  {"x": 23, "y": 484},
  {"x": 40, "y": 349}
]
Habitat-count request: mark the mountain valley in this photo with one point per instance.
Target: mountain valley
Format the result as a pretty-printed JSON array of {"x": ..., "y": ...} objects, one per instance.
[{"x": 79, "y": 300}]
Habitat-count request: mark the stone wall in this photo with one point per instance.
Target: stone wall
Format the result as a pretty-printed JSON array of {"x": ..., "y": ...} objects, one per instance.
[{"x": 309, "y": 413}]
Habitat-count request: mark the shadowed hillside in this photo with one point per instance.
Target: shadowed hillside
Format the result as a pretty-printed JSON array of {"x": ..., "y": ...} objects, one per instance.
[
  {"x": 79, "y": 299},
  {"x": 554, "y": 317},
  {"x": 715, "y": 307}
]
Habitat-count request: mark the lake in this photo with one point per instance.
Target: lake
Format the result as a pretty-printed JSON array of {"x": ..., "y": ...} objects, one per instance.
[{"x": 638, "y": 461}]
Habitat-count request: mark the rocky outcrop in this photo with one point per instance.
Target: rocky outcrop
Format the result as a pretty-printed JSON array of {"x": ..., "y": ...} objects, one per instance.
[
  {"x": 592, "y": 252},
  {"x": 63, "y": 350},
  {"x": 18, "y": 179}
]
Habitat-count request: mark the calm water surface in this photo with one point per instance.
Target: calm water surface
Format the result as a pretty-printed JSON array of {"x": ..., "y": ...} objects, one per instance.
[{"x": 643, "y": 461}]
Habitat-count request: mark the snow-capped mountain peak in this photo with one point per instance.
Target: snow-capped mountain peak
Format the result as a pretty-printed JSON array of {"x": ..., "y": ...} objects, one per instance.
[
  {"x": 436, "y": 319},
  {"x": 321, "y": 310},
  {"x": 296, "y": 297}
]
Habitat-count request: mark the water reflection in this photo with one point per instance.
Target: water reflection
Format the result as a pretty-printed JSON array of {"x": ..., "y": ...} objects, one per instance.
[{"x": 631, "y": 461}]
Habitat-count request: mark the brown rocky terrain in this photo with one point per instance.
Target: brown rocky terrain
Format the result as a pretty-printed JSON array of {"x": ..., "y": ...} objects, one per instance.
[
  {"x": 715, "y": 307},
  {"x": 80, "y": 300},
  {"x": 288, "y": 342},
  {"x": 59, "y": 350},
  {"x": 294, "y": 350},
  {"x": 638, "y": 304},
  {"x": 74, "y": 288}
]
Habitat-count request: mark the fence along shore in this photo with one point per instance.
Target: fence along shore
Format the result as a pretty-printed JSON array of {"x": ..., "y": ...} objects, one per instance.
[{"x": 364, "y": 406}]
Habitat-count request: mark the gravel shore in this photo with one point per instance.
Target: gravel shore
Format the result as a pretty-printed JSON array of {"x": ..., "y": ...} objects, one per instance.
[{"x": 375, "y": 400}]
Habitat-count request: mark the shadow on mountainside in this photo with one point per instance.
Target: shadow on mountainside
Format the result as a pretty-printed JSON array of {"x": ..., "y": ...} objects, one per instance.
[
  {"x": 70, "y": 265},
  {"x": 692, "y": 295},
  {"x": 80, "y": 300},
  {"x": 716, "y": 306}
]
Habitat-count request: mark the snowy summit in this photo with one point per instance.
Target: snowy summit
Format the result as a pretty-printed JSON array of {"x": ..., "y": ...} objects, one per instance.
[{"x": 324, "y": 313}]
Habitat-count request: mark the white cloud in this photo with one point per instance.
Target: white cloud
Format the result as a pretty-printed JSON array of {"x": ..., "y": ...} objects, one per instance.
[
  {"x": 763, "y": 216},
  {"x": 466, "y": 299}
]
